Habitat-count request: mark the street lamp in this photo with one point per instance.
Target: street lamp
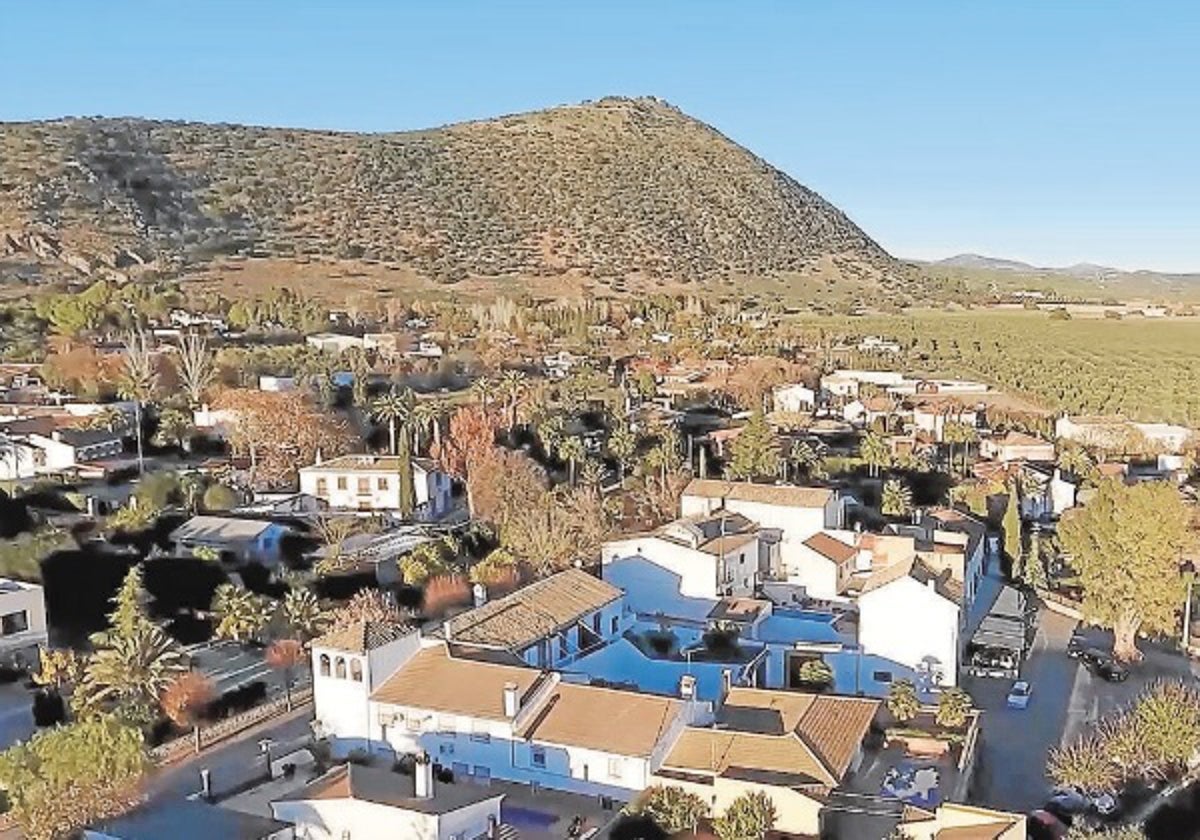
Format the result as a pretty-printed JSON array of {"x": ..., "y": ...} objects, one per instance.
[
  {"x": 1188, "y": 568},
  {"x": 264, "y": 746}
]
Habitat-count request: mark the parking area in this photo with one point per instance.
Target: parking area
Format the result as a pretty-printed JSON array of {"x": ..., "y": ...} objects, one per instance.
[{"x": 1066, "y": 699}]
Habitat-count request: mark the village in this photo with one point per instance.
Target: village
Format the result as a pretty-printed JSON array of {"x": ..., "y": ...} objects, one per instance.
[{"x": 556, "y": 568}]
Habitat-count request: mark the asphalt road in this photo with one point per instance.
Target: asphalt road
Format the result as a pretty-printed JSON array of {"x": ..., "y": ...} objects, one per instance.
[{"x": 1066, "y": 700}]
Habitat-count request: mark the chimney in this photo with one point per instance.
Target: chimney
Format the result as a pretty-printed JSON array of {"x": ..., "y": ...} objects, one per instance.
[
  {"x": 479, "y": 594},
  {"x": 423, "y": 777},
  {"x": 446, "y": 630},
  {"x": 931, "y": 583},
  {"x": 512, "y": 704}
]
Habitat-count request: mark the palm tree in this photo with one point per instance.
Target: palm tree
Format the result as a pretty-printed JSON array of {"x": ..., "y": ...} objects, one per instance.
[
  {"x": 303, "y": 614},
  {"x": 186, "y": 699},
  {"x": 241, "y": 614},
  {"x": 396, "y": 408},
  {"x": 873, "y": 450},
  {"x": 512, "y": 386},
  {"x": 109, "y": 418},
  {"x": 622, "y": 445},
  {"x": 573, "y": 452},
  {"x": 954, "y": 705},
  {"x": 138, "y": 382},
  {"x": 803, "y": 458},
  {"x": 285, "y": 655},
  {"x": 550, "y": 430},
  {"x": 902, "y": 700},
  {"x": 484, "y": 390},
  {"x": 591, "y": 474},
  {"x": 133, "y": 672},
  {"x": 896, "y": 499}
]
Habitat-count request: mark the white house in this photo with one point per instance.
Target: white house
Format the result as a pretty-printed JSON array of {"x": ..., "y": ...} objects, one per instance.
[
  {"x": 233, "y": 539},
  {"x": 1116, "y": 431},
  {"x": 65, "y": 449},
  {"x": 1045, "y": 492},
  {"x": 1017, "y": 446},
  {"x": 351, "y": 801},
  {"x": 328, "y": 342},
  {"x": 796, "y": 399},
  {"x": 845, "y": 384},
  {"x": 933, "y": 416},
  {"x": 372, "y": 483},
  {"x": 544, "y": 624},
  {"x": 18, "y": 458},
  {"x": 704, "y": 556},
  {"x": 22, "y": 622}
]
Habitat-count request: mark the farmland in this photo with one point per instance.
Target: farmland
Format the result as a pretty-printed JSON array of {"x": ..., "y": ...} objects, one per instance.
[{"x": 1145, "y": 369}]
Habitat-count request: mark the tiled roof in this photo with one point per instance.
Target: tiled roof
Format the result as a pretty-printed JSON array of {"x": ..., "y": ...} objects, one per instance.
[
  {"x": 604, "y": 719},
  {"x": 809, "y": 735},
  {"x": 769, "y": 494},
  {"x": 220, "y": 529},
  {"x": 1015, "y": 438},
  {"x": 384, "y": 787},
  {"x": 364, "y": 463},
  {"x": 831, "y": 547},
  {"x": 984, "y": 831},
  {"x": 944, "y": 582},
  {"x": 363, "y": 636},
  {"x": 533, "y": 612},
  {"x": 434, "y": 681}
]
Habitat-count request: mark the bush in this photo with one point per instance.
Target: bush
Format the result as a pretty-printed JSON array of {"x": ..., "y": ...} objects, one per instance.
[{"x": 219, "y": 497}]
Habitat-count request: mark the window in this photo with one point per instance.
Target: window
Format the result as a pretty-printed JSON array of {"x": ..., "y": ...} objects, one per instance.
[
  {"x": 596, "y": 624},
  {"x": 381, "y": 483},
  {"x": 480, "y": 735},
  {"x": 16, "y": 622},
  {"x": 364, "y": 485},
  {"x": 882, "y": 676},
  {"x": 355, "y": 670},
  {"x": 339, "y": 668},
  {"x": 341, "y": 482},
  {"x": 562, "y": 644},
  {"x": 324, "y": 668},
  {"x": 616, "y": 624},
  {"x": 537, "y": 757},
  {"x": 481, "y": 773},
  {"x": 322, "y": 486},
  {"x": 614, "y": 768}
]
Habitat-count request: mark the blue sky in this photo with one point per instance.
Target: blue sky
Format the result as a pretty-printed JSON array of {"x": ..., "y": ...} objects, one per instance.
[{"x": 1054, "y": 132}]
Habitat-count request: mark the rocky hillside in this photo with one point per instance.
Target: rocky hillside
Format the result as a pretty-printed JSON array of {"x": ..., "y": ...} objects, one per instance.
[{"x": 610, "y": 188}]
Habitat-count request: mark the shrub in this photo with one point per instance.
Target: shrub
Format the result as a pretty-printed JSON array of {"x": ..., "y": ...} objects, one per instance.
[{"x": 902, "y": 700}]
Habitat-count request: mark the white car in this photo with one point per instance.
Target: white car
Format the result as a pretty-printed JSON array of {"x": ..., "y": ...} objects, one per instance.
[{"x": 1018, "y": 696}]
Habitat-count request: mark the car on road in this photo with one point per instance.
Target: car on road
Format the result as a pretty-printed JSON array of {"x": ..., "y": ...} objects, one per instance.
[
  {"x": 1018, "y": 695},
  {"x": 1091, "y": 656},
  {"x": 1077, "y": 645},
  {"x": 1111, "y": 671}
]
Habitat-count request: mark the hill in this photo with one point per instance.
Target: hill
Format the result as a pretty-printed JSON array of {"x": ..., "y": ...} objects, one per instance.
[{"x": 609, "y": 189}]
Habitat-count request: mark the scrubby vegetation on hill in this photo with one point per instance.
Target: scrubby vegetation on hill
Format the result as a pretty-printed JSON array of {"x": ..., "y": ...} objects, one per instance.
[{"x": 609, "y": 188}]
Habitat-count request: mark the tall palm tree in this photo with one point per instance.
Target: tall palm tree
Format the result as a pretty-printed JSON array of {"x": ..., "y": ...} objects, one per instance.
[
  {"x": 804, "y": 458},
  {"x": 572, "y": 450},
  {"x": 622, "y": 445},
  {"x": 397, "y": 409},
  {"x": 138, "y": 382},
  {"x": 303, "y": 614},
  {"x": 241, "y": 614},
  {"x": 896, "y": 499},
  {"x": 484, "y": 390},
  {"x": 133, "y": 672},
  {"x": 110, "y": 418},
  {"x": 512, "y": 385},
  {"x": 873, "y": 450}
]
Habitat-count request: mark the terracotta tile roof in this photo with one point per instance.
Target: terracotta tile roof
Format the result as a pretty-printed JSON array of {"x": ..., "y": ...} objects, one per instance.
[
  {"x": 383, "y": 787},
  {"x": 603, "y": 719},
  {"x": 533, "y": 612},
  {"x": 831, "y": 547},
  {"x": 807, "y": 735},
  {"x": 769, "y": 494},
  {"x": 944, "y": 582},
  {"x": 363, "y": 636},
  {"x": 730, "y": 542},
  {"x": 1015, "y": 438},
  {"x": 435, "y": 681}
]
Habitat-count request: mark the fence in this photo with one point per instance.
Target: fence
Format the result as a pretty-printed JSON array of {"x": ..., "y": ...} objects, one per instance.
[
  {"x": 1061, "y": 604},
  {"x": 177, "y": 748}
]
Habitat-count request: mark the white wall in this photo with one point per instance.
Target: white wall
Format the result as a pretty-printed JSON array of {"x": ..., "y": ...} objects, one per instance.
[
  {"x": 815, "y": 572},
  {"x": 30, "y": 600},
  {"x": 17, "y": 459},
  {"x": 795, "y": 398},
  {"x": 343, "y": 705},
  {"x": 695, "y": 571},
  {"x": 335, "y": 819},
  {"x": 907, "y": 622}
]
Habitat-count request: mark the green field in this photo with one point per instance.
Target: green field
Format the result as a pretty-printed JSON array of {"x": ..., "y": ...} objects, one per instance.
[{"x": 1144, "y": 369}]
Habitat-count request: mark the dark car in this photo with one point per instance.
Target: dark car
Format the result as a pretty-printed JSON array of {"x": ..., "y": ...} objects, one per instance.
[
  {"x": 1091, "y": 657},
  {"x": 1077, "y": 645},
  {"x": 1111, "y": 671}
]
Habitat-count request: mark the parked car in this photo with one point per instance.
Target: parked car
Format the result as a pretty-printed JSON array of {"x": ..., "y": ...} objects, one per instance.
[
  {"x": 1077, "y": 645},
  {"x": 1091, "y": 657},
  {"x": 1018, "y": 695},
  {"x": 1111, "y": 670}
]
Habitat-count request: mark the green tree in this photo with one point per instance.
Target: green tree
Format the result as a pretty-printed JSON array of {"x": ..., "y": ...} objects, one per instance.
[
  {"x": 426, "y": 561},
  {"x": 1086, "y": 764},
  {"x": 241, "y": 614},
  {"x": 672, "y": 808},
  {"x": 500, "y": 566},
  {"x": 1033, "y": 569},
  {"x": 749, "y": 817},
  {"x": 896, "y": 499},
  {"x": 805, "y": 460},
  {"x": 572, "y": 451},
  {"x": 622, "y": 445},
  {"x": 303, "y": 614},
  {"x": 65, "y": 778},
  {"x": 174, "y": 428},
  {"x": 874, "y": 451},
  {"x": 1012, "y": 525},
  {"x": 902, "y": 700},
  {"x": 1126, "y": 546},
  {"x": 396, "y": 409},
  {"x": 953, "y": 707},
  {"x": 815, "y": 673},
  {"x": 220, "y": 497},
  {"x": 129, "y": 616},
  {"x": 130, "y": 675},
  {"x": 157, "y": 491},
  {"x": 754, "y": 453}
]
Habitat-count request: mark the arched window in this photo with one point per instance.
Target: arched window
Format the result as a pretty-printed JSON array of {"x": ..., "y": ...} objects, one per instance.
[
  {"x": 339, "y": 668},
  {"x": 355, "y": 670},
  {"x": 324, "y": 664}
]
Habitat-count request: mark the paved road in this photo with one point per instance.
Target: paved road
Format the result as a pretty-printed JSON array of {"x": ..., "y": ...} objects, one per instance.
[
  {"x": 236, "y": 762},
  {"x": 16, "y": 713},
  {"x": 1066, "y": 700}
]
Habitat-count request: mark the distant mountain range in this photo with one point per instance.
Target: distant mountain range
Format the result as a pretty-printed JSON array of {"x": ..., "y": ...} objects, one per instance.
[{"x": 979, "y": 261}]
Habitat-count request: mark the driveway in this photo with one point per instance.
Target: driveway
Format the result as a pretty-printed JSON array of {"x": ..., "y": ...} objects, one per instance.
[
  {"x": 16, "y": 713},
  {"x": 1067, "y": 700}
]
